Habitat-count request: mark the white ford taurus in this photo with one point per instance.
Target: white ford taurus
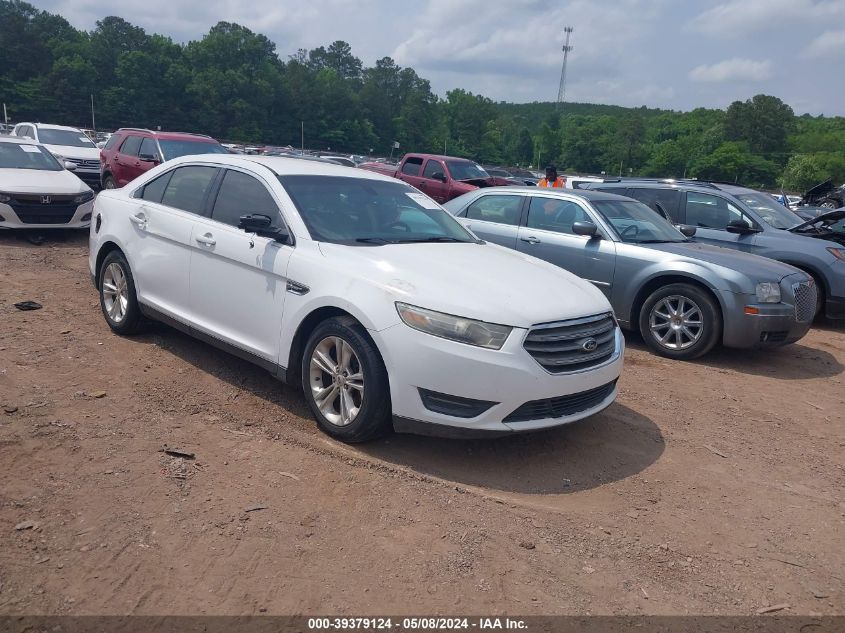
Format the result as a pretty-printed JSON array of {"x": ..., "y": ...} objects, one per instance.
[{"x": 358, "y": 288}]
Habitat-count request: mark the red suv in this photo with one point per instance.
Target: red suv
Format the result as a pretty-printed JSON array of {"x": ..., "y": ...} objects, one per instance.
[{"x": 132, "y": 151}]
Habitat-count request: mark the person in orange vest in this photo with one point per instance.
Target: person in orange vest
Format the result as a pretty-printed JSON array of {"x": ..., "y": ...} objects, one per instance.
[{"x": 552, "y": 179}]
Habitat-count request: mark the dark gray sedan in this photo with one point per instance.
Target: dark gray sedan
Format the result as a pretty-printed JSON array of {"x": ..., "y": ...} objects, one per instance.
[{"x": 683, "y": 297}]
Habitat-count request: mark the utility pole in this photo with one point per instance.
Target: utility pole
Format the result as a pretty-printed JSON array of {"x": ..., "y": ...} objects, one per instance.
[
  {"x": 93, "y": 122},
  {"x": 561, "y": 92},
  {"x": 5, "y": 116},
  {"x": 302, "y": 136}
]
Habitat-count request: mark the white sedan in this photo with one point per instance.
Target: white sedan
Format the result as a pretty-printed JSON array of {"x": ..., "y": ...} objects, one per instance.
[
  {"x": 37, "y": 191},
  {"x": 360, "y": 289}
]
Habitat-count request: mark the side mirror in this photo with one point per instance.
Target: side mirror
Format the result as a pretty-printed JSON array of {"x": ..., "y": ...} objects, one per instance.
[
  {"x": 687, "y": 230},
  {"x": 70, "y": 166},
  {"x": 148, "y": 158},
  {"x": 263, "y": 225},
  {"x": 740, "y": 227},
  {"x": 587, "y": 229},
  {"x": 439, "y": 175}
]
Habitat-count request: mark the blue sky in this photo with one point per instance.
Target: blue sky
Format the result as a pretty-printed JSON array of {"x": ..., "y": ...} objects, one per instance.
[{"x": 659, "y": 53}]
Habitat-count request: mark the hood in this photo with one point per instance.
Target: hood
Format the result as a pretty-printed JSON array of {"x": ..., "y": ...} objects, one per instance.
[
  {"x": 478, "y": 281},
  {"x": 40, "y": 181},
  {"x": 819, "y": 190},
  {"x": 68, "y": 152},
  {"x": 490, "y": 181},
  {"x": 753, "y": 266},
  {"x": 831, "y": 217}
]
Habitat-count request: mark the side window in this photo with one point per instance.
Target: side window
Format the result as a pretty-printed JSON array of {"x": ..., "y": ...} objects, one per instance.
[
  {"x": 412, "y": 166},
  {"x": 241, "y": 194},
  {"x": 553, "y": 214},
  {"x": 131, "y": 146},
  {"x": 113, "y": 139},
  {"x": 712, "y": 212},
  {"x": 188, "y": 187},
  {"x": 500, "y": 209},
  {"x": 667, "y": 199},
  {"x": 154, "y": 189},
  {"x": 432, "y": 167},
  {"x": 148, "y": 148}
]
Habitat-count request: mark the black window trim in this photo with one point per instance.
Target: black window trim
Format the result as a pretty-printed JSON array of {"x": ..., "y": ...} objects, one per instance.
[{"x": 413, "y": 161}]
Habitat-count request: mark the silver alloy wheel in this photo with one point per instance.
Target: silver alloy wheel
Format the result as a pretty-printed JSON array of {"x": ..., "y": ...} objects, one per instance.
[
  {"x": 337, "y": 380},
  {"x": 829, "y": 204},
  {"x": 676, "y": 322},
  {"x": 109, "y": 184},
  {"x": 115, "y": 292}
]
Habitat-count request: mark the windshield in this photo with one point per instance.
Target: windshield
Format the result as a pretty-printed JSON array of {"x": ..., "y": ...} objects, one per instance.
[
  {"x": 174, "y": 149},
  {"x": 362, "y": 211},
  {"x": 465, "y": 170},
  {"x": 69, "y": 138},
  {"x": 769, "y": 209},
  {"x": 21, "y": 156},
  {"x": 636, "y": 223}
]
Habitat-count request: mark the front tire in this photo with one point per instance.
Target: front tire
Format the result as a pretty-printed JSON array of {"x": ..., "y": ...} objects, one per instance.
[
  {"x": 680, "y": 321},
  {"x": 118, "y": 299},
  {"x": 109, "y": 183},
  {"x": 345, "y": 382}
]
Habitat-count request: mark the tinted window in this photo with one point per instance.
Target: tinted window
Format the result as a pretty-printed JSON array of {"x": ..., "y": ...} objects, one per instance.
[
  {"x": 553, "y": 214},
  {"x": 412, "y": 166},
  {"x": 239, "y": 195},
  {"x": 466, "y": 170},
  {"x": 131, "y": 146},
  {"x": 500, "y": 209},
  {"x": 636, "y": 223},
  {"x": 619, "y": 191},
  {"x": 187, "y": 188},
  {"x": 712, "y": 212},
  {"x": 431, "y": 168},
  {"x": 666, "y": 198},
  {"x": 155, "y": 188},
  {"x": 148, "y": 147},
  {"x": 68, "y": 138},
  {"x": 24, "y": 156},
  {"x": 113, "y": 139},
  {"x": 174, "y": 149}
]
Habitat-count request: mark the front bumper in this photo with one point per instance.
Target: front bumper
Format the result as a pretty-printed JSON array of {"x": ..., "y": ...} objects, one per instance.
[
  {"x": 509, "y": 378},
  {"x": 773, "y": 325},
  {"x": 47, "y": 218},
  {"x": 89, "y": 177}
]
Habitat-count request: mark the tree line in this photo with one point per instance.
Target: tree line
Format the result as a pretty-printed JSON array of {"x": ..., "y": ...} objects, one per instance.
[{"x": 233, "y": 84}]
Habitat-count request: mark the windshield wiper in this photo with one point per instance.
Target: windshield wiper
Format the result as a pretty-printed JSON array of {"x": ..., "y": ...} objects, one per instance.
[
  {"x": 374, "y": 240},
  {"x": 433, "y": 238}
]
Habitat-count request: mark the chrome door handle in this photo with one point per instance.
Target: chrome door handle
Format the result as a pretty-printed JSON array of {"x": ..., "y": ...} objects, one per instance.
[
  {"x": 140, "y": 219},
  {"x": 206, "y": 239},
  {"x": 530, "y": 239}
]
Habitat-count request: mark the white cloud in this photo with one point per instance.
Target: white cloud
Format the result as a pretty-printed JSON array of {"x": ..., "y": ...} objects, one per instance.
[
  {"x": 740, "y": 17},
  {"x": 736, "y": 69},
  {"x": 828, "y": 43}
]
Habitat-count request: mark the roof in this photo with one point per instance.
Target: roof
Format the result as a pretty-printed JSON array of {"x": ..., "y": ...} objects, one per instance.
[
  {"x": 170, "y": 136},
  {"x": 586, "y": 194},
  {"x": 439, "y": 157},
  {"x": 50, "y": 126},
  {"x": 284, "y": 166},
  {"x": 18, "y": 139}
]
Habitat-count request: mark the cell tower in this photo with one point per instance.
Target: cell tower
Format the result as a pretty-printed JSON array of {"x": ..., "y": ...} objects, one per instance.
[{"x": 561, "y": 93}]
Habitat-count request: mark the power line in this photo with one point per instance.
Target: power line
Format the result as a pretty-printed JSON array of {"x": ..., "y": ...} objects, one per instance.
[{"x": 561, "y": 93}]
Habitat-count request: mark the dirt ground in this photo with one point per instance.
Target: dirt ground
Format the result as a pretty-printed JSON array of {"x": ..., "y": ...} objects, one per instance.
[{"x": 712, "y": 487}]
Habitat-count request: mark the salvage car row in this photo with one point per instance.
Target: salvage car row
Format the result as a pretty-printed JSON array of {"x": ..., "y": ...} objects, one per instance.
[{"x": 390, "y": 312}]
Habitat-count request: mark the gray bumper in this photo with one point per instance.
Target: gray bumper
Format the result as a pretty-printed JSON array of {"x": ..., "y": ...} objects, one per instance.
[{"x": 773, "y": 324}]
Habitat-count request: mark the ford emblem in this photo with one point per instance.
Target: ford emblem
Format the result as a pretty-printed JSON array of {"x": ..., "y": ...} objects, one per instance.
[{"x": 589, "y": 345}]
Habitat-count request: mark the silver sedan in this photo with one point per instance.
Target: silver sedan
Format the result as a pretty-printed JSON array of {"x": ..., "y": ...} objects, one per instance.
[{"x": 683, "y": 297}]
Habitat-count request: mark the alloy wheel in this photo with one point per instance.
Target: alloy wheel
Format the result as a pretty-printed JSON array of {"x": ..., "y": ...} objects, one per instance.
[
  {"x": 676, "y": 322},
  {"x": 337, "y": 380},
  {"x": 115, "y": 292}
]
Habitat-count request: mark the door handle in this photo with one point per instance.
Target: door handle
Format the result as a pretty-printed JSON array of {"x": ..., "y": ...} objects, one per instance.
[
  {"x": 206, "y": 239},
  {"x": 530, "y": 239},
  {"x": 140, "y": 219}
]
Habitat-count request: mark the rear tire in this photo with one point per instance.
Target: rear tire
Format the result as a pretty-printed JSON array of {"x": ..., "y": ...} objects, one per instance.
[
  {"x": 680, "y": 321},
  {"x": 109, "y": 183},
  {"x": 345, "y": 382},
  {"x": 118, "y": 299}
]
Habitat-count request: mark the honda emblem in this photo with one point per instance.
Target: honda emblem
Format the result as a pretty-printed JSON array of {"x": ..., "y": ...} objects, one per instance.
[{"x": 46, "y": 199}]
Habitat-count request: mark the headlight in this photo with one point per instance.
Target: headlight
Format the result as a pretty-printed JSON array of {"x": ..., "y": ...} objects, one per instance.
[
  {"x": 838, "y": 253},
  {"x": 768, "y": 292},
  {"x": 5, "y": 197},
  {"x": 454, "y": 328},
  {"x": 84, "y": 197}
]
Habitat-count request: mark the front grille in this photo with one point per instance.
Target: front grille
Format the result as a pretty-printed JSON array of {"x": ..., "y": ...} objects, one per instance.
[
  {"x": 561, "y": 406},
  {"x": 568, "y": 346},
  {"x": 773, "y": 337},
  {"x": 87, "y": 164},
  {"x": 805, "y": 301},
  {"x": 31, "y": 210}
]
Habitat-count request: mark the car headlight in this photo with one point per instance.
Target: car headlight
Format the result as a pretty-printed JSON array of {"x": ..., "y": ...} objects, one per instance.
[
  {"x": 5, "y": 197},
  {"x": 838, "y": 253},
  {"x": 84, "y": 197},
  {"x": 454, "y": 328},
  {"x": 768, "y": 292}
]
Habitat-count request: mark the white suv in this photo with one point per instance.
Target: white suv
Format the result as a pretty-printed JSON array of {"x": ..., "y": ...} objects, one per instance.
[
  {"x": 67, "y": 144},
  {"x": 358, "y": 288}
]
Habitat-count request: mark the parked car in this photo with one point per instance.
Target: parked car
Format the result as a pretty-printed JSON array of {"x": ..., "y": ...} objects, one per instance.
[
  {"x": 440, "y": 177},
  {"x": 358, "y": 288},
  {"x": 507, "y": 174},
  {"x": 37, "y": 191},
  {"x": 130, "y": 152},
  {"x": 824, "y": 195},
  {"x": 683, "y": 297},
  {"x": 67, "y": 144},
  {"x": 746, "y": 220}
]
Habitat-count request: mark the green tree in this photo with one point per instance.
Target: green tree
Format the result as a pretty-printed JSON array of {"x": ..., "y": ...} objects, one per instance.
[{"x": 763, "y": 122}]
